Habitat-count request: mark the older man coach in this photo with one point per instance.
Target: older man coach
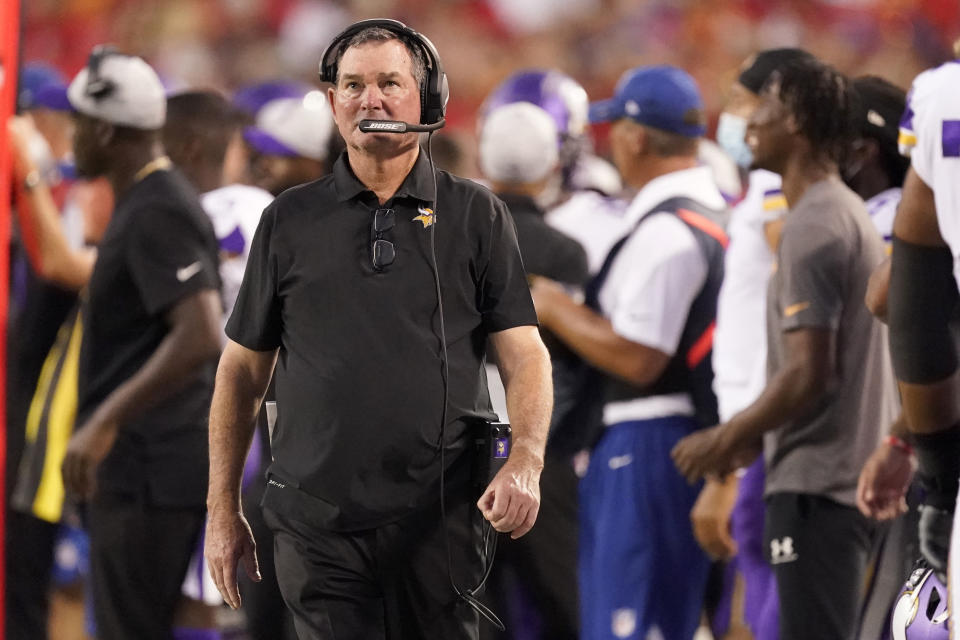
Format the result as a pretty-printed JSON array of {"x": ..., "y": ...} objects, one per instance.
[{"x": 374, "y": 290}]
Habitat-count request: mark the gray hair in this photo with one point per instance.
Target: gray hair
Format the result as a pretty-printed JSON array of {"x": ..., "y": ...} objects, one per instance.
[{"x": 379, "y": 34}]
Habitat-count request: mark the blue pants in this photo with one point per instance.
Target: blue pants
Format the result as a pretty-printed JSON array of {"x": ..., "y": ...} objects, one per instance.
[{"x": 642, "y": 574}]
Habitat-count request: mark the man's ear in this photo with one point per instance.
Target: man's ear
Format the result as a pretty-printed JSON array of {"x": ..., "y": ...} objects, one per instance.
[{"x": 791, "y": 124}]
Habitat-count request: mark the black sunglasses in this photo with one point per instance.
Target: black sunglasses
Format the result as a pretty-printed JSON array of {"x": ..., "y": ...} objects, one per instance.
[{"x": 382, "y": 251}]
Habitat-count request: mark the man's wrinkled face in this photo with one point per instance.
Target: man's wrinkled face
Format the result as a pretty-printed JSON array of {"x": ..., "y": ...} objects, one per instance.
[{"x": 376, "y": 82}]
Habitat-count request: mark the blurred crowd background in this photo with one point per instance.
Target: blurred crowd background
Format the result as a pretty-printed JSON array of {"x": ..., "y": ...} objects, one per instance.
[
  {"x": 230, "y": 44},
  {"x": 226, "y": 44}
]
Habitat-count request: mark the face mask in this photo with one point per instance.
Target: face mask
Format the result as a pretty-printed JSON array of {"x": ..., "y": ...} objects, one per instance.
[{"x": 731, "y": 131}]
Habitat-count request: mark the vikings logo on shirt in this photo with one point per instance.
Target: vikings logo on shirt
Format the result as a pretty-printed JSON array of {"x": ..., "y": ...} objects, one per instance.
[{"x": 426, "y": 216}]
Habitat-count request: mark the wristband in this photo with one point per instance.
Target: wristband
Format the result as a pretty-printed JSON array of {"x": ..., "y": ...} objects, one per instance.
[
  {"x": 899, "y": 443},
  {"x": 938, "y": 466}
]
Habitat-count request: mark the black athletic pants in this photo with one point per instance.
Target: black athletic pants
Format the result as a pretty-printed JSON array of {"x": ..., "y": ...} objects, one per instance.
[
  {"x": 138, "y": 558},
  {"x": 388, "y": 583},
  {"x": 818, "y": 549},
  {"x": 29, "y": 550},
  {"x": 266, "y": 614}
]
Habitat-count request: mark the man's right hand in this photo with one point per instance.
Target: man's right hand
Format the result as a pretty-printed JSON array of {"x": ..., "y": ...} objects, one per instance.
[
  {"x": 87, "y": 448},
  {"x": 228, "y": 541},
  {"x": 511, "y": 501}
]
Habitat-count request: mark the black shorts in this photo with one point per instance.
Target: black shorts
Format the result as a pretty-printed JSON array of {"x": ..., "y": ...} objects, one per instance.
[
  {"x": 818, "y": 549},
  {"x": 390, "y": 582}
]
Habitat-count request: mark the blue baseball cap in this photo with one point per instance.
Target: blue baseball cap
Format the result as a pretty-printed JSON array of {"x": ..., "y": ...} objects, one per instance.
[
  {"x": 662, "y": 97},
  {"x": 52, "y": 96},
  {"x": 42, "y": 86}
]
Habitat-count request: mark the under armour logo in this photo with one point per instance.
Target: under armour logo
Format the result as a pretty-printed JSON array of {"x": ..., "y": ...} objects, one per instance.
[{"x": 782, "y": 550}]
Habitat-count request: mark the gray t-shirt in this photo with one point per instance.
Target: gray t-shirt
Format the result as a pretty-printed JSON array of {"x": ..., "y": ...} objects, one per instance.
[{"x": 828, "y": 248}]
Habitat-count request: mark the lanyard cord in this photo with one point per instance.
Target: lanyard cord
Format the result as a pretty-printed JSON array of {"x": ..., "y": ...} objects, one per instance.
[{"x": 489, "y": 546}]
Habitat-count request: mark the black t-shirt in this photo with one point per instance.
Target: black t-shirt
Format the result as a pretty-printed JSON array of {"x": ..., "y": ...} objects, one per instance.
[
  {"x": 158, "y": 249},
  {"x": 546, "y": 251},
  {"x": 359, "y": 376}
]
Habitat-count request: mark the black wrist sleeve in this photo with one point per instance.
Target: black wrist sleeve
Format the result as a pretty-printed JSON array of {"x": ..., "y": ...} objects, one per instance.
[
  {"x": 922, "y": 298},
  {"x": 938, "y": 458}
]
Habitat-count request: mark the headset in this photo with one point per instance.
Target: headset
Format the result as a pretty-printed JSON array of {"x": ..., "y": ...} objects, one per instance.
[
  {"x": 97, "y": 86},
  {"x": 434, "y": 90},
  {"x": 434, "y": 93}
]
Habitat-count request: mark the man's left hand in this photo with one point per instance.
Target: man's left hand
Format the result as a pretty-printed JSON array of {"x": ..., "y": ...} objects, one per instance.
[
  {"x": 87, "y": 448},
  {"x": 511, "y": 501},
  {"x": 703, "y": 453}
]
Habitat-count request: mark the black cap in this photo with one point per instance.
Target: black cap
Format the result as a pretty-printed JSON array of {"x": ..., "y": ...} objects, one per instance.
[
  {"x": 760, "y": 66},
  {"x": 882, "y": 103}
]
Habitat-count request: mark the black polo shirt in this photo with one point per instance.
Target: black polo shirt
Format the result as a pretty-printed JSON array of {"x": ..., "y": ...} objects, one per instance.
[
  {"x": 158, "y": 249},
  {"x": 546, "y": 251},
  {"x": 359, "y": 376}
]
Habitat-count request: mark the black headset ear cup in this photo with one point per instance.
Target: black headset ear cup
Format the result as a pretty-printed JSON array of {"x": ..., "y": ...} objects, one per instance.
[
  {"x": 434, "y": 101},
  {"x": 437, "y": 103},
  {"x": 98, "y": 87},
  {"x": 434, "y": 92}
]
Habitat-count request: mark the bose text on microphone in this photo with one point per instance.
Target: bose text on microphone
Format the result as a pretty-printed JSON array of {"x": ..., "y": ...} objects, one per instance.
[{"x": 395, "y": 126}]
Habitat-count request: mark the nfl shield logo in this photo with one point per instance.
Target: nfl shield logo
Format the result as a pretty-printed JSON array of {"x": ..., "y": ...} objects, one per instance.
[{"x": 624, "y": 622}]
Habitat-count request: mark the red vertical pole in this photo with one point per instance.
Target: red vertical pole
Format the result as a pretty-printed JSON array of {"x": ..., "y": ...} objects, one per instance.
[{"x": 9, "y": 64}]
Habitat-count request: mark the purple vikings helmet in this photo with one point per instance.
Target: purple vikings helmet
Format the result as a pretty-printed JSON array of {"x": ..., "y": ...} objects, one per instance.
[
  {"x": 251, "y": 98},
  {"x": 567, "y": 103},
  {"x": 556, "y": 93},
  {"x": 920, "y": 612}
]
